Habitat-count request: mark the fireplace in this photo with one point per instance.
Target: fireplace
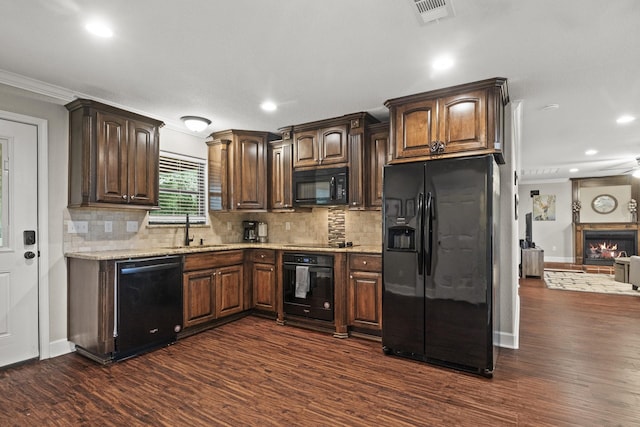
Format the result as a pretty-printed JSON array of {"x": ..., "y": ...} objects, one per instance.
[{"x": 602, "y": 246}]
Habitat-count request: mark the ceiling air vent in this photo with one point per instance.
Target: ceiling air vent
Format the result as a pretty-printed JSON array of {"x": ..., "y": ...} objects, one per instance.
[{"x": 432, "y": 10}]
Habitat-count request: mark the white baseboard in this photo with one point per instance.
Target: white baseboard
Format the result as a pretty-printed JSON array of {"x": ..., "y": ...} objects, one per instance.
[
  {"x": 505, "y": 340},
  {"x": 60, "y": 347}
]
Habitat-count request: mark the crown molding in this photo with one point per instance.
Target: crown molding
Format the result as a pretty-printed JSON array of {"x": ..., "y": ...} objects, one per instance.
[
  {"x": 36, "y": 86},
  {"x": 65, "y": 95}
]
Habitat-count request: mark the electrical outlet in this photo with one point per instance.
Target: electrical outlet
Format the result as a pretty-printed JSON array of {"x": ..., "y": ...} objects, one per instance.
[
  {"x": 71, "y": 227},
  {"x": 228, "y": 225},
  {"x": 108, "y": 226},
  {"x": 287, "y": 225},
  {"x": 82, "y": 227},
  {"x": 132, "y": 226}
]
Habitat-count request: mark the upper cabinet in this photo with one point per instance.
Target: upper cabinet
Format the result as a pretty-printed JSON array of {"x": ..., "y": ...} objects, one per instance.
[
  {"x": 376, "y": 153},
  {"x": 279, "y": 157},
  {"x": 457, "y": 121},
  {"x": 238, "y": 170},
  {"x": 324, "y": 146},
  {"x": 113, "y": 156}
]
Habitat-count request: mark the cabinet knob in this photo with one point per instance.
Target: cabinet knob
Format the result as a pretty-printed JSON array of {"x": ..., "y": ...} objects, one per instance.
[
  {"x": 351, "y": 276},
  {"x": 364, "y": 262},
  {"x": 271, "y": 268},
  {"x": 219, "y": 273},
  {"x": 261, "y": 255},
  {"x": 354, "y": 203},
  {"x": 238, "y": 204},
  {"x": 124, "y": 196},
  {"x": 133, "y": 197}
]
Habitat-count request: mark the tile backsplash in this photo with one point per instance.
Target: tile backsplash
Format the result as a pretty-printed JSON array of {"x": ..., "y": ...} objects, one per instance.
[{"x": 320, "y": 225}]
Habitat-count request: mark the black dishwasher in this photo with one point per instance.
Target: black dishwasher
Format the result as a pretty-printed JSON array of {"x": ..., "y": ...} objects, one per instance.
[{"x": 148, "y": 309}]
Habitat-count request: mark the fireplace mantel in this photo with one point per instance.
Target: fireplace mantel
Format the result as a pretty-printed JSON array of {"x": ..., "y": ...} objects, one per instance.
[{"x": 579, "y": 228}]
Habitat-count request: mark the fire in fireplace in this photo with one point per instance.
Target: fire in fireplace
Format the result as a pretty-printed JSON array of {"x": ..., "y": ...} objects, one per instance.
[{"x": 602, "y": 246}]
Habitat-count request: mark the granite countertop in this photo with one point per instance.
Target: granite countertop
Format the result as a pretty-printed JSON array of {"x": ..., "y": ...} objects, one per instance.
[{"x": 162, "y": 251}]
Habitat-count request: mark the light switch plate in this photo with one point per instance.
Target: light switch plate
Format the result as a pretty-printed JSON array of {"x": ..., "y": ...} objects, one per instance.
[
  {"x": 132, "y": 226},
  {"x": 108, "y": 226}
]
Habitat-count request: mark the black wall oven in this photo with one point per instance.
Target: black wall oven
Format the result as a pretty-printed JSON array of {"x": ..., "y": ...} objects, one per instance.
[
  {"x": 308, "y": 285},
  {"x": 321, "y": 187}
]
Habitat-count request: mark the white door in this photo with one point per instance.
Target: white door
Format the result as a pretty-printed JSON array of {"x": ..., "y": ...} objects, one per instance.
[{"x": 18, "y": 255}]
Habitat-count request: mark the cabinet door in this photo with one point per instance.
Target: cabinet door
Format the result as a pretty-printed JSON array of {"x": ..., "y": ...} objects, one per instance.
[
  {"x": 379, "y": 142},
  {"x": 333, "y": 145},
  {"x": 305, "y": 149},
  {"x": 111, "y": 162},
  {"x": 229, "y": 290},
  {"x": 264, "y": 287},
  {"x": 415, "y": 128},
  {"x": 218, "y": 178},
  {"x": 250, "y": 189},
  {"x": 280, "y": 169},
  {"x": 142, "y": 164},
  {"x": 365, "y": 299},
  {"x": 462, "y": 121},
  {"x": 199, "y": 301}
]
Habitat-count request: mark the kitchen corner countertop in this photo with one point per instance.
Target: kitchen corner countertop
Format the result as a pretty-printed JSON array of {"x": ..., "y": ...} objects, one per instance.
[{"x": 180, "y": 250}]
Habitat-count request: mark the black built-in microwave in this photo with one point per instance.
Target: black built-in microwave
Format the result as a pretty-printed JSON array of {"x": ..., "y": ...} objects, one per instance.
[{"x": 321, "y": 187}]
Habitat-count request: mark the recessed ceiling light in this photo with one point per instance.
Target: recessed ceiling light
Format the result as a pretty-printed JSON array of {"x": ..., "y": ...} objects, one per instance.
[
  {"x": 625, "y": 119},
  {"x": 99, "y": 29},
  {"x": 269, "y": 106},
  {"x": 442, "y": 63},
  {"x": 574, "y": 170},
  {"x": 591, "y": 152}
]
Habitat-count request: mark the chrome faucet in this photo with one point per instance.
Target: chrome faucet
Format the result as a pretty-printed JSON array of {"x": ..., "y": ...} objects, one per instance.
[{"x": 187, "y": 240}]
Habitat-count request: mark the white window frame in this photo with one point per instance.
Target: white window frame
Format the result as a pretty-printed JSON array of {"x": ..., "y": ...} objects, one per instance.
[{"x": 202, "y": 218}]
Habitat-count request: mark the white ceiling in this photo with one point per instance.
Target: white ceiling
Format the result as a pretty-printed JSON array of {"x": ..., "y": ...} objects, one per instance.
[{"x": 321, "y": 59}]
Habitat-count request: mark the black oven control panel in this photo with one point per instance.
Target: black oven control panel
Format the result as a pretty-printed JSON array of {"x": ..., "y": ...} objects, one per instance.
[{"x": 308, "y": 259}]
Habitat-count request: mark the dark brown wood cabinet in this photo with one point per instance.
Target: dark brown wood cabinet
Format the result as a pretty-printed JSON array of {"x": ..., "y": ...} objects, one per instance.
[
  {"x": 280, "y": 170},
  {"x": 376, "y": 153},
  {"x": 263, "y": 279},
  {"x": 91, "y": 306},
  {"x": 461, "y": 120},
  {"x": 113, "y": 156},
  {"x": 238, "y": 170},
  {"x": 365, "y": 293},
  {"x": 213, "y": 286},
  {"x": 320, "y": 146}
]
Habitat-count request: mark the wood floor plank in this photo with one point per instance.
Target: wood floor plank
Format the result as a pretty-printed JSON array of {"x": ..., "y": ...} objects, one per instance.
[{"x": 579, "y": 364}]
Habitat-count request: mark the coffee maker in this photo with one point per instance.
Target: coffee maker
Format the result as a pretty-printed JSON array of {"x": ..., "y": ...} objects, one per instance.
[{"x": 250, "y": 231}]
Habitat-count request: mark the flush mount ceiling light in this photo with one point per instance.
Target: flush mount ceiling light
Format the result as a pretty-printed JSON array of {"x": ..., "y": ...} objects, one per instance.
[
  {"x": 574, "y": 170},
  {"x": 625, "y": 119},
  {"x": 99, "y": 29},
  {"x": 195, "y": 123},
  {"x": 269, "y": 106},
  {"x": 591, "y": 152}
]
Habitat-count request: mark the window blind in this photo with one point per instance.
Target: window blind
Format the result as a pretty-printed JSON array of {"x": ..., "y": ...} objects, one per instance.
[{"x": 181, "y": 189}]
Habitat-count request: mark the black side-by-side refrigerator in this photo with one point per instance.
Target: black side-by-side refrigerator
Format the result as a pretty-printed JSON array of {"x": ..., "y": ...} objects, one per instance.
[{"x": 440, "y": 261}]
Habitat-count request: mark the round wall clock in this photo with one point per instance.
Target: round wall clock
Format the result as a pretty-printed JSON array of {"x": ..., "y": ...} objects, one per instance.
[{"x": 604, "y": 203}]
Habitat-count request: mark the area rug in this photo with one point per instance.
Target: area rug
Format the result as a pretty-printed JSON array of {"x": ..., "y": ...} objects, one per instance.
[{"x": 587, "y": 282}]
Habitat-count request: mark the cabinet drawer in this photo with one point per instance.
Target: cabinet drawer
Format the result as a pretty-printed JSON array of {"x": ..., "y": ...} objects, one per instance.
[
  {"x": 365, "y": 262},
  {"x": 206, "y": 260},
  {"x": 266, "y": 256}
]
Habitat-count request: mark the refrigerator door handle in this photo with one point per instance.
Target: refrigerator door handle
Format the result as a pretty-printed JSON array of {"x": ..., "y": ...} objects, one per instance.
[
  {"x": 421, "y": 234},
  {"x": 431, "y": 212}
]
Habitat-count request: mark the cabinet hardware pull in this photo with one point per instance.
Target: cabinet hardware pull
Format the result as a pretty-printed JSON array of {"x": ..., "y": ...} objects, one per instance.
[
  {"x": 124, "y": 196},
  {"x": 364, "y": 262},
  {"x": 271, "y": 268},
  {"x": 261, "y": 255},
  {"x": 351, "y": 276}
]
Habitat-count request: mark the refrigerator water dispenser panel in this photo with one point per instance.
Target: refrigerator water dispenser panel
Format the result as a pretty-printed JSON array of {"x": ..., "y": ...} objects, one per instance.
[{"x": 401, "y": 238}]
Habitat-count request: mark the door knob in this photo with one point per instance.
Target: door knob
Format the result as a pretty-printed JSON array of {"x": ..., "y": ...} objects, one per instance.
[{"x": 29, "y": 255}]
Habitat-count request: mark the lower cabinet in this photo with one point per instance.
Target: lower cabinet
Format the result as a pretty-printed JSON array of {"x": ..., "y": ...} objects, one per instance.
[
  {"x": 365, "y": 293},
  {"x": 264, "y": 280},
  {"x": 213, "y": 286}
]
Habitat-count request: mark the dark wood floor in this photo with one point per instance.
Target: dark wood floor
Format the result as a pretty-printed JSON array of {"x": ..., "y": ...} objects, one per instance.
[{"x": 579, "y": 364}]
